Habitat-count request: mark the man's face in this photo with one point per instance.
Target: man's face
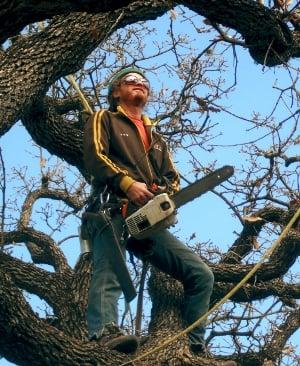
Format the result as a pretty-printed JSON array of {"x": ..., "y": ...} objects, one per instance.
[{"x": 133, "y": 89}]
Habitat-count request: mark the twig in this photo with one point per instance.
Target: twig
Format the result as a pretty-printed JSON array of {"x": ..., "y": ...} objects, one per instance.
[{"x": 139, "y": 307}]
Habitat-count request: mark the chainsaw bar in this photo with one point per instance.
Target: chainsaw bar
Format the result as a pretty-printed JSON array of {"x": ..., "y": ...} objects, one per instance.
[{"x": 202, "y": 186}]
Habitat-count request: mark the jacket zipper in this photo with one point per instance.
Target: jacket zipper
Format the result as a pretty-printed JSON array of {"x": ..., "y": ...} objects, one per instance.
[{"x": 145, "y": 152}]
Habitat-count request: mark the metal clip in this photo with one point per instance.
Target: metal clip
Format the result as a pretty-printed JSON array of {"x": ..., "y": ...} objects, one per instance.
[{"x": 104, "y": 196}]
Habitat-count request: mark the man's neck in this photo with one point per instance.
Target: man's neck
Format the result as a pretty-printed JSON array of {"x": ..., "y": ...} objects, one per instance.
[{"x": 132, "y": 111}]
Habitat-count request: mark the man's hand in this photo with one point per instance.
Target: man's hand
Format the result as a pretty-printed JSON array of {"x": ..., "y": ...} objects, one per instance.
[{"x": 139, "y": 194}]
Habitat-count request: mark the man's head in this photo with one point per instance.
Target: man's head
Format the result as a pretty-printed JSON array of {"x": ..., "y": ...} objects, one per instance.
[{"x": 128, "y": 86}]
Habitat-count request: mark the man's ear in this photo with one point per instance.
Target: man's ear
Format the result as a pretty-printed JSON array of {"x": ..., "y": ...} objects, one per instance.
[{"x": 115, "y": 92}]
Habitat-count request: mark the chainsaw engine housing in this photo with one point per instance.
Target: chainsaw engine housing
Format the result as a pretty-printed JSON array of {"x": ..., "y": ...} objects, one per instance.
[{"x": 158, "y": 213}]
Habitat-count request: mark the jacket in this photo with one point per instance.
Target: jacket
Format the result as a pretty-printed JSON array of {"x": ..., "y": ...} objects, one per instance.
[{"x": 115, "y": 155}]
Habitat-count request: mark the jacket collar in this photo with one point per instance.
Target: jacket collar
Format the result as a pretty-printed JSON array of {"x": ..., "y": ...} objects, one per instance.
[{"x": 146, "y": 120}]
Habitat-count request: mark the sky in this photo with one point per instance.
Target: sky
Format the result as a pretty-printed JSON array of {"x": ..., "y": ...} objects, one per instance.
[{"x": 254, "y": 91}]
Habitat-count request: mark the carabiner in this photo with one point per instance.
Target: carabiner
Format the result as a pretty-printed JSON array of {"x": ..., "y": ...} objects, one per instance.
[{"x": 104, "y": 196}]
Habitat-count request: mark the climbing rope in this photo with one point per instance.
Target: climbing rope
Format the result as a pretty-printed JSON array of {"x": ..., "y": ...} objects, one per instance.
[
  {"x": 85, "y": 103},
  {"x": 265, "y": 256}
]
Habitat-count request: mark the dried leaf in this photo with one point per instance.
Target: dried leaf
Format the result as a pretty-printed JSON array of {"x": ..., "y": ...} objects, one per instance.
[
  {"x": 202, "y": 104},
  {"x": 288, "y": 3},
  {"x": 268, "y": 363},
  {"x": 256, "y": 244},
  {"x": 282, "y": 4},
  {"x": 252, "y": 219},
  {"x": 173, "y": 14},
  {"x": 295, "y": 18},
  {"x": 207, "y": 21},
  {"x": 42, "y": 162},
  {"x": 288, "y": 350}
]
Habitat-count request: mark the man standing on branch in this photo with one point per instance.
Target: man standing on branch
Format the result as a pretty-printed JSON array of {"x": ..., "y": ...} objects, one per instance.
[{"x": 127, "y": 158}]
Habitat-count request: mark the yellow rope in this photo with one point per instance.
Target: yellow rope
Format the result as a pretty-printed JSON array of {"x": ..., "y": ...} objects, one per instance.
[
  {"x": 266, "y": 255},
  {"x": 75, "y": 85}
]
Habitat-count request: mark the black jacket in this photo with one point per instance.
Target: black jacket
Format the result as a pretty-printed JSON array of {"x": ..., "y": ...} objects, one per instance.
[{"x": 115, "y": 155}]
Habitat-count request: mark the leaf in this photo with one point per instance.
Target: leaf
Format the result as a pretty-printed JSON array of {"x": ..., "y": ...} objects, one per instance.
[
  {"x": 207, "y": 21},
  {"x": 288, "y": 349},
  {"x": 256, "y": 244},
  {"x": 202, "y": 104},
  {"x": 268, "y": 363},
  {"x": 282, "y": 4},
  {"x": 42, "y": 162},
  {"x": 252, "y": 219},
  {"x": 173, "y": 14}
]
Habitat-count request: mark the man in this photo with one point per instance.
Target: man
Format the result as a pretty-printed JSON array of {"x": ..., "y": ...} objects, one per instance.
[{"x": 126, "y": 157}]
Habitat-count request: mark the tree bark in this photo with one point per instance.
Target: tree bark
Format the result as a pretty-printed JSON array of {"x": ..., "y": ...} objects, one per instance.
[
  {"x": 33, "y": 342},
  {"x": 16, "y": 14},
  {"x": 33, "y": 63},
  {"x": 27, "y": 69}
]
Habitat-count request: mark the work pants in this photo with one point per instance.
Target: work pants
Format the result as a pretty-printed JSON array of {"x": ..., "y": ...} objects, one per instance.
[{"x": 169, "y": 255}]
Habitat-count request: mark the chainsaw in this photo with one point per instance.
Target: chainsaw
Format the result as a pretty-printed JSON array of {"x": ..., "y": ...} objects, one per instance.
[{"x": 160, "y": 212}]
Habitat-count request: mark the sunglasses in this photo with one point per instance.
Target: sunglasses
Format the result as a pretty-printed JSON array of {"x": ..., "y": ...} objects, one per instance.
[{"x": 134, "y": 80}]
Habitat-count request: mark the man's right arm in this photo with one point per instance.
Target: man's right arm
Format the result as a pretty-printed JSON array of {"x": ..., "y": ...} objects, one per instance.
[
  {"x": 139, "y": 194},
  {"x": 102, "y": 168},
  {"x": 96, "y": 154}
]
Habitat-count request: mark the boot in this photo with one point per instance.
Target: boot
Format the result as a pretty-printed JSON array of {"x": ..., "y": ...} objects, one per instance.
[{"x": 116, "y": 339}]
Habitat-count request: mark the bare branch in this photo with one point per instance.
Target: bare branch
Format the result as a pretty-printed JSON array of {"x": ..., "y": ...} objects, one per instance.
[
  {"x": 73, "y": 201},
  {"x": 52, "y": 254},
  {"x": 15, "y": 16},
  {"x": 29, "y": 334}
]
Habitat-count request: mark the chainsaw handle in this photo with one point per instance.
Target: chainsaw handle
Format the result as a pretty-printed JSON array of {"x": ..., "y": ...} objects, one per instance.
[{"x": 156, "y": 189}]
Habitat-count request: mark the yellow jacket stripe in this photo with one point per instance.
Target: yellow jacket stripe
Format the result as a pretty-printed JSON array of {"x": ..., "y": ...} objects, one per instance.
[{"x": 98, "y": 145}]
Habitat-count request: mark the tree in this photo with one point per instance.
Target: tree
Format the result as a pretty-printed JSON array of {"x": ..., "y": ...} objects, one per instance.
[{"x": 263, "y": 196}]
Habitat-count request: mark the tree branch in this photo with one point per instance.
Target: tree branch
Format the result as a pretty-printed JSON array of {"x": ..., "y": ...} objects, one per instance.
[
  {"x": 66, "y": 43},
  {"x": 53, "y": 255},
  {"x": 279, "y": 263},
  {"x": 36, "y": 340},
  {"x": 63, "y": 138},
  {"x": 15, "y": 15},
  {"x": 68, "y": 40},
  {"x": 35, "y": 280},
  {"x": 73, "y": 201},
  {"x": 252, "y": 292},
  {"x": 251, "y": 230},
  {"x": 272, "y": 351},
  {"x": 65, "y": 105},
  {"x": 267, "y": 37}
]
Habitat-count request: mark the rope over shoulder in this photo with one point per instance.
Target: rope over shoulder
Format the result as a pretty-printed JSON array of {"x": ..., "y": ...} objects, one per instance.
[{"x": 85, "y": 103}]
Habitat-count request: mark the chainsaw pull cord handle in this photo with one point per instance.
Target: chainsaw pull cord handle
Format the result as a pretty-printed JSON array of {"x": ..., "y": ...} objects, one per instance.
[
  {"x": 124, "y": 209},
  {"x": 154, "y": 188}
]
